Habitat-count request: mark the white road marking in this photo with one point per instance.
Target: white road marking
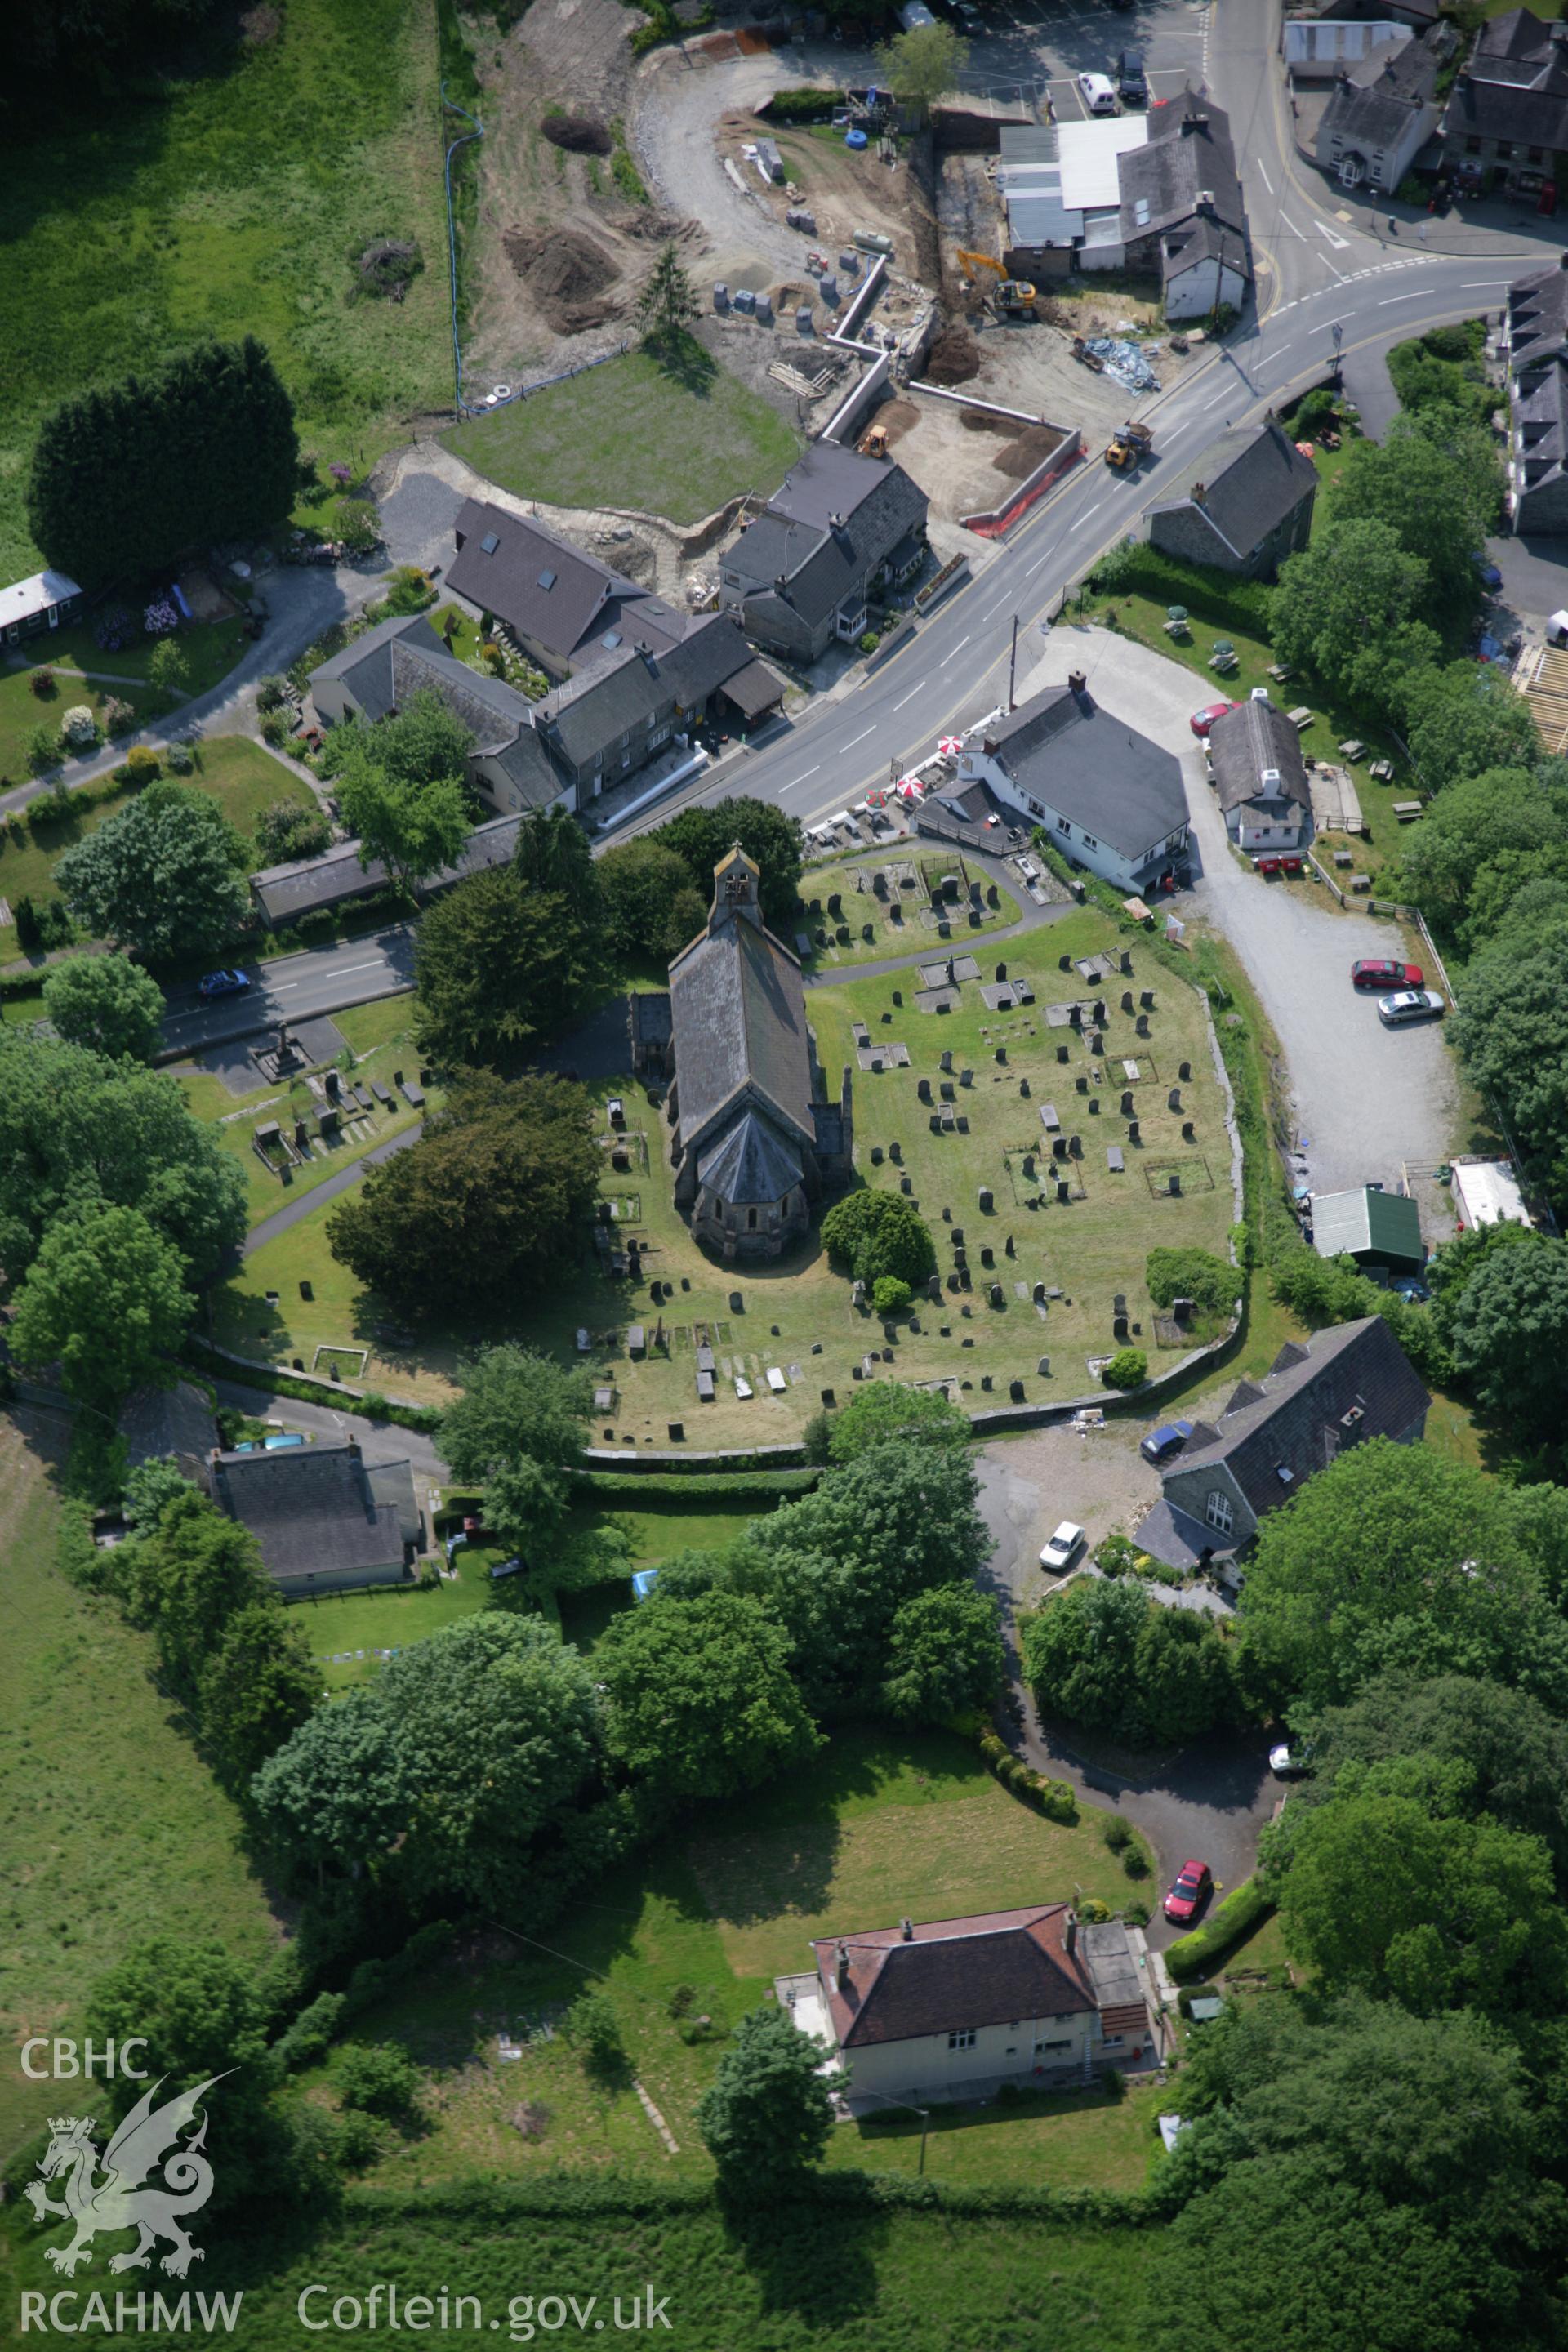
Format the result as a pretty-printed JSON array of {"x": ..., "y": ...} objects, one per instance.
[
  {"x": 954, "y": 655},
  {"x": 1038, "y": 561},
  {"x": 1266, "y": 180},
  {"x": 990, "y": 615},
  {"x": 1467, "y": 284},
  {"x": 1292, "y": 227},
  {"x": 1390, "y": 299},
  {"x": 1339, "y": 244},
  {"x": 857, "y": 738},
  {"x": 1215, "y": 401},
  {"x": 1094, "y": 510},
  {"x": 909, "y": 697},
  {"x": 801, "y": 778}
]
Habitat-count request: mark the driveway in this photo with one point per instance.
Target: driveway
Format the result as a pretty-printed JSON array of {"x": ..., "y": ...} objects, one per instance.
[
  {"x": 379, "y": 1441},
  {"x": 1365, "y": 1100}
]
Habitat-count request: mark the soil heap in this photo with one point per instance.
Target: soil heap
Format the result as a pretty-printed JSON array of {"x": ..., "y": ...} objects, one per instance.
[
  {"x": 568, "y": 276},
  {"x": 955, "y": 357}
]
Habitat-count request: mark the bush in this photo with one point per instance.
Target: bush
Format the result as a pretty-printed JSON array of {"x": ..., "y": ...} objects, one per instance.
[
  {"x": 78, "y": 728},
  {"x": 43, "y": 750},
  {"x": 802, "y": 105},
  {"x": 1136, "y": 1914},
  {"x": 169, "y": 672},
  {"x": 377, "y": 2079},
  {"x": 1242, "y": 1909},
  {"x": 42, "y": 682},
  {"x": 1136, "y": 1863},
  {"x": 357, "y": 524},
  {"x": 310, "y": 2035},
  {"x": 594, "y": 2033},
  {"x": 1093, "y": 1912},
  {"x": 877, "y": 1233},
  {"x": 870, "y": 642},
  {"x": 411, "y": 590},
  {"x": 1117, "y": 1832},
  {"x": 1134, "y": 568},
  {"x": 276, "y": 728},
  {"x": 270, "y": 692},
  {"x": 889, "y": 1296},
  {"x": 119, "y": 717},
  {"x": 1128, "y": 1369},
  {"x": 1210, "y": 1282},
  {"x": 141, "y": 766},
  {"x": 180, "y": 760}
]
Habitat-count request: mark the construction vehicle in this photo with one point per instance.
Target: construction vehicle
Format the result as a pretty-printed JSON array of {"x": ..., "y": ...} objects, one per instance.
[
  {"x": 1005, "y": 297},
  {"x": 1126, "y": 445},
  {"x": 1087, "y": 358},
  {"x": 874, "y": 444}
]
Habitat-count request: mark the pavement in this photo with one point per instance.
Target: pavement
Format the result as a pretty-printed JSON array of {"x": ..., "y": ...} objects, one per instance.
[{"x": 305, "y": 1204}]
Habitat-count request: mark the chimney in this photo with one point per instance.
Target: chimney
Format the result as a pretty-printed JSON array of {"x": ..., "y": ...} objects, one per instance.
[
  {"x": 1198, "y": 493},
  {"x": 907, "y": 1930},
  {"x": 1070, "y": 1934},
  {"x": 1204, "y": 202},
  {"x": 841, "y": 1973},
  {"x": 1077, "y": 681}
]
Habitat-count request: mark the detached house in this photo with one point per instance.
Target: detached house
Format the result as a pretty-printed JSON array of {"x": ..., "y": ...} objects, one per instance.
[
  {"x": 1506, "y": 115},
  {"x": 41, "y": 601},
  {"x": 839, "y": 529},
  {"x": 951, "y": 2009},
  {"x": 1381, "y": 112},
  {"x": 1319, "y": 1397},
  {"x": 1535, "y": 335},
  {"x": 565, "y": 608},
  {"x": 1245, "y": 506},
  {"x": 326, "y": 1518},
  {"x": 1259, "y": 776}
]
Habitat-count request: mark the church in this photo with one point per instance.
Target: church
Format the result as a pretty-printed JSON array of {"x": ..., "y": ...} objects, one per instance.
[{"x": 755, "y": 1140}]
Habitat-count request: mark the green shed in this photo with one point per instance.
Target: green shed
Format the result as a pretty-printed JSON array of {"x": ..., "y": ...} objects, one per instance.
[{"x": 1381, "y": 1231}]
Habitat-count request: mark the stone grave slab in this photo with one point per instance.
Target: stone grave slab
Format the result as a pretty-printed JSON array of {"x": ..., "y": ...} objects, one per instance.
[{"x": 891, "y": 1055}]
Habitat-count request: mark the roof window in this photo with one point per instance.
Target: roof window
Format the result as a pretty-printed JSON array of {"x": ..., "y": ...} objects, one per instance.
[
  {"x": 547, "y": 580},
  {"x": 489, "y": 544}
]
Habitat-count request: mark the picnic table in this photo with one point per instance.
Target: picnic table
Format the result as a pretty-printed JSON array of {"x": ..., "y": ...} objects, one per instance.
[
  {"x": 1280, "y": 672},
  {"x": 1353, "y": 749},
  {"x": 1341, "y": 857},
  {"x": 1406, "y": 810},
  {"x": 1300, "y": 717},
  {"x": 1383, "y": 770}
]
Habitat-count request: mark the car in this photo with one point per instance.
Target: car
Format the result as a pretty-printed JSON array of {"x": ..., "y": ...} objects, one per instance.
[
  {"x": 1410, "y": 1005},
  {"x": 1201, "y": 721},
  {"x": 1098, "y": 92},
  {"x": 1490, "y": 577},
  {"x": 1186, "y": 1898},
  {"x": 969, "y": 16},
  {"x": 1062, "y": 1546},
  {"x": 1160, "y": 1444},
  {"x": 223, "y": 983},
  {"x": 1286, "y": 1763},
  {"x": 1380, "y": 972},
  {"x": 1131, "y": 82},
  {"x": 1408, "y": 1286}
]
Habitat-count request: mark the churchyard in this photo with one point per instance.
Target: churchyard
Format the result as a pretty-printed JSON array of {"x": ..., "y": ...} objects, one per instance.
[
  {"x": 892, "y": 901},
  {"x": 1043, "y": 1202}
]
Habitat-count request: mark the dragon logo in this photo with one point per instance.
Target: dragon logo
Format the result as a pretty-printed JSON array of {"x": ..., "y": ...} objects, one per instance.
[{"x": 147, "y": 2137}]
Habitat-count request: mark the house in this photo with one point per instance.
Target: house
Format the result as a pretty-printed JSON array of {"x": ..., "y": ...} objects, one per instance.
[
  {"x": 1182, "y": 211},
  {"x": 1504, "y": 125},
  {"x": 1535, "y": 339},
  {"x": 1381, "y": 1231},
  {"x": 951, "y": 2009},
  {"x": 284, "y": 893},
  {"x": 1317, "y": 49},
  {"x": 756, "y": 1139},
  {"x": 1112, "y": 799},
  {"x": 1259, "y": 777},
  {"x": 326, "y": 1518},
  {"x": 159, "y": 1424},
  {"x": 840, "y": 530},
  {"x": 1245, "y": 506},
  {"x": 380, "y": 672},
  {"x": 608, "y": 719},
  {"x": 565, "y": 609},
  {"x": 1381, "y": 112},
  {"x": 41, "y": 601},
  {"x": 1319, "y": 1397}
]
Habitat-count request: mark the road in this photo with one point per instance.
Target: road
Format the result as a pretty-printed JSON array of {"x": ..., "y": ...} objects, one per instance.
[{"x": 322, "y": 980}]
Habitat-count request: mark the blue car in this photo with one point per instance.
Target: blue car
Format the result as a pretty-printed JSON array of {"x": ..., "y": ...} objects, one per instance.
[
  {"x": 1162, "y": 1443},
  {"x": 223, "y": 983},
  {"x": 1490, "y": 577}
]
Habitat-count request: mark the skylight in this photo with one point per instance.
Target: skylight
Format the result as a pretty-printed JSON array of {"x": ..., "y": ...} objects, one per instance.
[
  {"x": 547, "y": 579},
  {"x": 489, "y": 544}
]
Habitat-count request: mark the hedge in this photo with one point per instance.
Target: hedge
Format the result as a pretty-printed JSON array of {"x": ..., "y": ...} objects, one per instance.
[
  {"x": 492, "y": 2205},
  {"x": 1243, "y": 1908},
  {"x": 742, "y": 1488},
  {"x": 801, "y": 106},
  {"x": 1136, "y": 568},
  {"x": 272, "y": 1380}
]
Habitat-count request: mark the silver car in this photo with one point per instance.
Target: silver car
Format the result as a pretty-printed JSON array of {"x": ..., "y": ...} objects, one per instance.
[{"x": 1410, "y": 1005}]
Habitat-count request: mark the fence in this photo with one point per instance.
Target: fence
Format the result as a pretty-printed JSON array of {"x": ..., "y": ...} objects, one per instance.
[
  {"x": 476, "y": 132},
  {"x": 996, "y": 521}
]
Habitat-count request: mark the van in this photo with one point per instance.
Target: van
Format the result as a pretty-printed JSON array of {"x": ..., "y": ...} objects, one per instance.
[{"x": 1096, "y": 92}]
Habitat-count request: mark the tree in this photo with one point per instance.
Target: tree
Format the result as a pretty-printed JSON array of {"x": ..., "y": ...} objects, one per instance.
[
  {"x": 151, "y": 1486},
  {"x": 1509, "y": 1333},
  {"x": 921, "y": 66},
  {"x": 164, "y": 874},
  {"x": 894, "y": 1409},
  {"x": 553, "y": 854},
  {"x": 1104, "y": 1654},
  {"x": 1479, "y": 841},
  {"x": 698, "y": 1694},
  {"x": 1512, "y": 1033},
  {"x": 169, "y": 672},
  {"x": 259, "y": 1684},
  {"x": 667, "y": 307},
  {"x": 497, "y": 966},
  {"x": 703, "y": 836},
  {"x": 195, "y": 1574},
  {"x": 287, "y": 830},
  {"x": 108, "y": 1004},
  {"x": 1394, "y": 1560},
  {"x": 877, "y": 1233},
  {"x": 514, "y": 1406},
  {"x": 1347, "y": 607},
  {"x": 945, "y": 1655},
  {"x": 377, "y": 2079},
  {"x": 127, "y": 475},
  {"x": 1465, "y": 721},
  {"x": 414, "y": 830},
  {"x": 484, "y": 1208},
  {"x": 1440, "y": 499},
  {"x": 594, "y": 2029},
  {"x": 652, "y": 906},
  {"x": 106, "y": 1297},
  {"x": 337, "y": 1791},
  {"x": 77, "y": 1130},
  {"x": 767, "y": 2114}
]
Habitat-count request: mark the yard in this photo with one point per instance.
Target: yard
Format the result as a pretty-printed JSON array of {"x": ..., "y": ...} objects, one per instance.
[
  {"x": 242, "y": 777},
  {"x": 237, "y": 202},
  {"x": 22, "y": 711},
  {"x": 211, "y": 649},
  {"x": 634, "y": 433},
  {"x": 900, "y": 915},
  {"x": 795, "y": 1313}
]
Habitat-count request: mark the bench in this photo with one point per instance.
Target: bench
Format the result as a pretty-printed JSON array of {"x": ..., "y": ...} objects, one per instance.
[
  {"x": 1300, "y": 717},
  {"x": 1353, "y": 750},
  {"x": 1406, "y": 810}
]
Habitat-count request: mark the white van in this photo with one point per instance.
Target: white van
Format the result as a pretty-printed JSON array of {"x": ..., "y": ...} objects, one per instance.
[{"x": 1098, "y": 92}]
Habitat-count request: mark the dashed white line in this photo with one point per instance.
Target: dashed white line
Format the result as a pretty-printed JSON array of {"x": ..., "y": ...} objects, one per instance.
[
  {"x": 1266, "y": 180},
  {"x": 1094, "y": 510},
  {"x": 857, "y": 738},
  {"x": 954, "y": 654},
  {"x": 909, "y": 697},
  {"x": 1390, "y": 299},
  {"x": 801, "y": 778},
  {"x": 990, "y": 615},
  {"x": 1292, "y": 227},
  {"x": 1038, "y": 561}
]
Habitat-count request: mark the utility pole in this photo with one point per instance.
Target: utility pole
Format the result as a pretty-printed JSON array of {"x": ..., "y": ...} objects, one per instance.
[{"x": 1013, "y": 663}]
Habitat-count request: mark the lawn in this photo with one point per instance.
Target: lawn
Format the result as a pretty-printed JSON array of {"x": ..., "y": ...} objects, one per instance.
[
  {"x": 230, "y": 204},
  {"x": 21, "y": 711},
  {"x": 901, "y": 916},
  {"x": 114, "y": 1829},
  {"x": 1090, "y": 1249},
  {"x": 211, "y": 649},
  {"x": 634, "y": 433},
  {"x": 242, "y": 777},
  {"x": 1093, "y": 2138}
]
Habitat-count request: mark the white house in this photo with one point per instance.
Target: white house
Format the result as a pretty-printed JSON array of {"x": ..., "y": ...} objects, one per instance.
[
  {"x": 1259, "y": 776},
  {"x": 1110, "y": 799},
  {"x": 950, "y": 2009}
]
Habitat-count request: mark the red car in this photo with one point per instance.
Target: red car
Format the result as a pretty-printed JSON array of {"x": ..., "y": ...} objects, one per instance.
[
  {"x": 1201, "y": 721},
  {"x": 1379, "y": 973},
  {"x": 1188, "y": 1896}
]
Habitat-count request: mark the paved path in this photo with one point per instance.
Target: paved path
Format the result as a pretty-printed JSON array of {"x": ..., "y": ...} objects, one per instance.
[{"x": 305, "y": 1204}]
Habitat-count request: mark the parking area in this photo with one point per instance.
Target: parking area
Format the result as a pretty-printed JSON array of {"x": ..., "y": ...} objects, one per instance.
[{"x": 1027, "y": 55}]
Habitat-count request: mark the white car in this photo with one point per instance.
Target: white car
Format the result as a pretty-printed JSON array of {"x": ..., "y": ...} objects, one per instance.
[
  {"x": 1410, "y": 1005},
  {"x": 1098, "y": 92},
  {"x": 1286, "y": 1762},
  {"x": 1059, "y": 1553}
]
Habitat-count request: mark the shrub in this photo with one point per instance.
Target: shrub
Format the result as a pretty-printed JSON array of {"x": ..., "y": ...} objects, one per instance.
[
  {"x": 116, "y": 628},
  {"x": 802, "y": 105},
  {"x": 141, "y": 766},
  {"x": 160, "y": 617},
  {"x": 119, "y": 717},
  {"x": 870, "y": 642},
  {"x": 78, "y": 728},
  {"x": 43, "y": 684},
  {"x": 29, "y": 931},
  {"x": 180, "y": 759},
  {"x": 357, "y": 524},
  {"x": 43, "y": 750},
  {"x": 1136, "y": 1914},
  {"x": 411, "y": 590},
  {"x": 376, "y": 2079},
  {"x": 169, "y": 672},
  {"x": 310, "y": 2035},
  {"x": 1128, "y": 1369},
  {"x": 1117, "y": 1832},
  {"x": 889, "y": 1296},
  {"x": 1136, "y": 1863},
  {"x": 1208, "y": 1281},
  {"x": 593, "y": 2031},
  {"x": 270, "y": 692},
  {"x": 275, "y": 729},
  {"x": 1117, "y": 1555},
  {"x": 1093, "y": 1912},
  {"x": 1058, "y": 1801},
  {"x": 1242, "y": 1909}
]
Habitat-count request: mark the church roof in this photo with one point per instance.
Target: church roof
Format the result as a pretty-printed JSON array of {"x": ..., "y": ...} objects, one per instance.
[
  {"x": 738, "y": 1006},
  {"x": 751, "y": 1165}
]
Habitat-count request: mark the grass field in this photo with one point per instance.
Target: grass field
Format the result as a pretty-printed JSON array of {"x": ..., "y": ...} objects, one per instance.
[
  {"x": 231, "y": 205},
  {"x": 242, "y": 777},
  {"x": 634, "y": 433},
  {"x": 1091, "y": 1248},
  {"x": 112, "y": 1827},
  {"x": 1050, "y": 2139},
  {"x": 903, "y": 918}
]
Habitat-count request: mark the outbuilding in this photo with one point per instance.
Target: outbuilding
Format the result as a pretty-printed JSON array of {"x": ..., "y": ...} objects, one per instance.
[
  {"x": 1381, "y": 1231},
  {"x": 43, "y": 600}
]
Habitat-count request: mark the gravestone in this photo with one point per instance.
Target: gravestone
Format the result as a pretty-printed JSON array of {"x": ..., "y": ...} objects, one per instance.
[
  {"x": 1126, "y": 960},
  {"x": 966, "y": 1078},
  {"x": 904, "y": 1183},
  {"x": 1029, "y": 1163},
  {"x": 1016, "y": 1390},
  {"x": 1024, "y": 1087},
  {"x": 1099, "y": 1012},
  {"x": 896, "y": 1153},
  {"x": 1064, "y": 1190},
  {"x": 876, "y": 1155},
  {"x": 947, "y": 1057},
  {"x": 1175, "y": 1183},
  {"x": 1146, "y": 999},
  {"x": 1001, "y": 971},
  {"x": 1074, "y": 1145},
  {"x": 946, "y": 1216},
  {"x": 1075, "y": 1015},
  {"x": 737, "y": 1304},
  {"x": 1189, "y": 1132},
  {"x": 1118, "y": 1326},
  {"x": 1174, "y": 1099},
  {"x": 985, "y": 1199},
  {"x": 936, "y": 1122},
  {"x": 995, "y": 1294},
  {"x": 857, "y": 1296},
  {"x": 988, "y": 1254},
  {"x": 985, "y": 1380},
  {"x": 1058, "y": 1146},
  {"x": 1186, "y": 1071},
  {"x": 1094, "y": 1107},
  {"x": 1142, "y": 1024},
  {"x": 1134, "y": 1133},
  {"x": 933, "y": 1285},
  {"x": 1183, "y": 1308},
  {"x": 922, "y": 1089},
  {"x": 1064, "y": 964},
  {"x": 898, "y": 996},
  {"x": 1044, "y": 1368},
  {"x": 1001, "y": 1053},
  {"x": 1095, "y": 1043},
  {"x": 1127, "y": 1102},
  {"x": 1081, "y": 1082},
  {"x": 1061, "y": 1053},
  {"x": 949, "y": 1091},
  {"x": 958, "y": 1237},
  {"x": 1039, "y": 1293}
]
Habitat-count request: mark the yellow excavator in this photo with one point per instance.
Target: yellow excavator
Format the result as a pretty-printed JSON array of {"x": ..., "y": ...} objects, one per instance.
[
  {"x": 1008, "y": 295},
  {"x": 1126, "y": 445}
]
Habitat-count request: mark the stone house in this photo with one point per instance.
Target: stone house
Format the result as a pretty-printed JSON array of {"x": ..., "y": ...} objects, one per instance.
[
  {"x": 1381, "y": 112},
  {"x": 609, "y": 719},
  {"x": 565, "y": 609},
  {"x": 1535, "y": 341},
  {"x": 1244, "y": 505},
  {"x": 326, "y": 1519},
  {"x": 1505, "y": 119},
  {"x": 1183, "y": 216},
  {"x": 1259, "y": 777},
  {"x": 840, "y": 530}
]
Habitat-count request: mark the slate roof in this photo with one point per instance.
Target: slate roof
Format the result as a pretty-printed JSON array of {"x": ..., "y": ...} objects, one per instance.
[
  {"x": 738, "y": 1003},
  {"x": 284, "y": 892},
  {"x": 1385, "y": 1224},
  {"x": 1251, "y": 480},
  {"x": 751, "y": 1165},
  {"x": 1541, "y": 415},
  {"x": 1296, "y": 1416},
  {"x": 314, "y": 1509},
  {"x": 1515, "y": 85},
  {"x": 1538, "y": 316},
  {"x": 1373, "y": 102},
  {"x": 823, "y": 560},
  {"x": 1245, "y": 745},
  {"x": 1067, "y": 752},
  {"x": 584, "y": 603},
  {"x": 1168, "y": 1533},
  {"x": 993, "y": 1968},
  {"x": 753, "y": 689},
  {"x": 596, "y": 707},
  {"x": 177, "y": 1421},
  {"x": 1188, "y": 153}
]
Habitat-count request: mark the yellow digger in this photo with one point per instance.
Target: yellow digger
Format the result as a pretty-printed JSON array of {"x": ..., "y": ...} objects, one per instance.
[
  {"x": 1008, "y": 297},
  {"x": 1127, "y": 446}
]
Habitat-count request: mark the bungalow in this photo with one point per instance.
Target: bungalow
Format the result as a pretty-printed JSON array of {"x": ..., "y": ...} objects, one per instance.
[
  {"x": 1259, "y": 777},
  {"x": 41, "y": 601},
  {"x": 1110, "y": 799},
  {"x": 1245, "y": 506},
  {"x": 951, "y": 2009},
  {"x": 1319, "y": 1397},
  {"x": 326, "y": 1518}
]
